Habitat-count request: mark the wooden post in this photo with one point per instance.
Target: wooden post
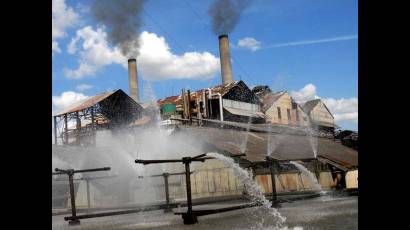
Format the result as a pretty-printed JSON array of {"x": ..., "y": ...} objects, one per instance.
[
  {"x": 93, "y": 127},
  {"x": 55, "y": 130},
  {"x": 65, "y": 129}
]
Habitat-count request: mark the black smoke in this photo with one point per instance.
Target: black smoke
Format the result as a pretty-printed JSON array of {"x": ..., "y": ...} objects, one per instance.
[
  {"x": 122, "y": 19},
  {"x": 225, "y": 14}
]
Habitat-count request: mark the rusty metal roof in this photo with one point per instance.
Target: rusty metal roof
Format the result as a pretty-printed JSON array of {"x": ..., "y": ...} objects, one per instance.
[
  {"x": 309, "y": 105},
  {"x": 177, "y": 99},
  {"x": 86, "y": 103},
  {"x": 283, "y": 146},
  {"x": 171, "y": 99},
  {"x": 269, "y": 99}
]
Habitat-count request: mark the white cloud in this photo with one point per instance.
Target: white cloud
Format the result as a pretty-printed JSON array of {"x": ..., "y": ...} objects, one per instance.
[
  {"x": 249, "y": 43},
  {"x": 63, "y": 17},
  {"x": 95, "y": 52},
  {"x": 342, "y": 109},
  {"x": 66, "y": 99},
  {"x": 83, "y": 87},
  {"x": 155, "y": 62},
  {"x": 305, "y": 94}
]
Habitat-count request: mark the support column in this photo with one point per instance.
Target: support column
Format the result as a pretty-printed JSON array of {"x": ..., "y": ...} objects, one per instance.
[
  {"x": 55, "y": 130},
  {"x": 88, "y": 193},
  {"x": 167, "y": 208},
  {"x": 317, "y": 170},
  {"x": 189, "y": 217},
  {"x": 74, "y": 221},
  {"x": 65, "y": 129},
  {"x": 273, "y": 165},
  {"x": 78, "y": 127},
  {"x": 93, "y": 127}
]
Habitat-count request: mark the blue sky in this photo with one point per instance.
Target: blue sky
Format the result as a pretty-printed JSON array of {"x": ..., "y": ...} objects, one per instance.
[{"x": 301, "y": 44}]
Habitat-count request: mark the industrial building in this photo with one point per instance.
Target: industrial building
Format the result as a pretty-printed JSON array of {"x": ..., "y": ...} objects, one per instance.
[{"x": 230, "y": 119}]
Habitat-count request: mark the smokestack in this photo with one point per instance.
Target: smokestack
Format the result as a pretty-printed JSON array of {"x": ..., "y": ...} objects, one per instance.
[
  {"x": 225, "y": 58},
  {"x": 133, "y": 78}
]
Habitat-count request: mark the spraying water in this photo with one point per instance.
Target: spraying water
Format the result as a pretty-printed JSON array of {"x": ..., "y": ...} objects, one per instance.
[
  {"x": 245, "y": 142},
  {"x": 270, "y": 146},
  {"x": 309, "y": 174},
  {"x": 312, "y": 139},
  {"x": 253, "y": 189}
]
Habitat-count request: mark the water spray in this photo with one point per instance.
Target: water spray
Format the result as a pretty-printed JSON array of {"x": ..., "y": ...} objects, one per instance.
[{"x": 74, "y": 220}]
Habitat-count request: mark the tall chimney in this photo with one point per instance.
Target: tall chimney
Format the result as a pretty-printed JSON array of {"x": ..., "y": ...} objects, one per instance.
[
  {"x": 133, "y": 78},
  {"x": 225, "y": 58}
]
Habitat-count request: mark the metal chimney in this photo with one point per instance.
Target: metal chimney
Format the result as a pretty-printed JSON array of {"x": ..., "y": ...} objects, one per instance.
[
  {"x": 225, "y": 59},
  {"x": 133, "y": 78}
]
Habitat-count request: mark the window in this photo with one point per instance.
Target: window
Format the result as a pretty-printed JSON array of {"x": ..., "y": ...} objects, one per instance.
[
  {"x": 288, "y": 110},
  {"x": 279, "y": 114}
]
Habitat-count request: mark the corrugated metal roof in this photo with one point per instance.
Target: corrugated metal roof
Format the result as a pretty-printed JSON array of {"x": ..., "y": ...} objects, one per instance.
[
  {"x": 177, "y": 99},
  {"x": 309, "y": 105},
  {"x": 86, "y": 103},
  {"x": 269, "y": 99},
  {"x": 246, "y": 113},
  {"x": 283, "y": 146}
]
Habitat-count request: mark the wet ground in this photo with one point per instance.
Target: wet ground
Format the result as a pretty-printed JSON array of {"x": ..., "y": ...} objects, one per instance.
[{"x": 326, "y": 212}]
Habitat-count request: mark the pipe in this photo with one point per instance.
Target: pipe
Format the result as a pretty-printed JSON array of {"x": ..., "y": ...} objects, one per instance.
[
  {"x": 206, "y": 103},
  {"x": 189, "y": 106},
  {"x": 203, "y": 103}
]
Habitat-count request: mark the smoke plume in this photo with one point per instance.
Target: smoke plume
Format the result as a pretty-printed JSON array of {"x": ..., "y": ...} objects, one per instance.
[
  {"x": 226, "y": 14},
  {"x": 123, "y": 21}
]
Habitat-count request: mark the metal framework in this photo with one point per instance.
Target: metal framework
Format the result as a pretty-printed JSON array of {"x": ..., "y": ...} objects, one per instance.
[{"x": 87, "y": 121}]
